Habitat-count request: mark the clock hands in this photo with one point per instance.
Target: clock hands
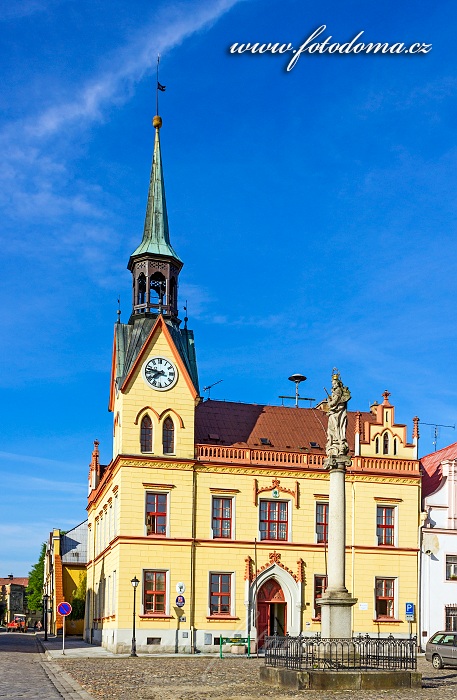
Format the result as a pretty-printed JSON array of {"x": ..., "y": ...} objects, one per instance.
[{"x": 157, "y": 372}]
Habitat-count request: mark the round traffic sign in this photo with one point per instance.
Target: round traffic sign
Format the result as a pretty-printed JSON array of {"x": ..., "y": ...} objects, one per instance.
[{"x": 64, "y": 609}]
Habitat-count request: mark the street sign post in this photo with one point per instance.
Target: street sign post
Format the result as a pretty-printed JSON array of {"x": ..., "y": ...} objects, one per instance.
[
  {"x": 64, "y": 609},
  {"x": 409, "y": 612}
]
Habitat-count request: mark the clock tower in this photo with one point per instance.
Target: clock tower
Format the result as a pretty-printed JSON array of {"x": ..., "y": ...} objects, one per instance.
[
  {"x": 154, "y": 264},
  {"x": 154, "y": 380}
]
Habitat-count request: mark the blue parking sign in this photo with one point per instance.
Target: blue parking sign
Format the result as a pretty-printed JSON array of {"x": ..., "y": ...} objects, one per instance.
[{"x": 409, "y": 611}]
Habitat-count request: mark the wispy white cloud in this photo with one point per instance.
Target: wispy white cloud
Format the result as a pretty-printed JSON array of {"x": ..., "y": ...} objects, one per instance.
[
  {"x": 32, "y": 459},
  {"x": 23, "y": 8},
  {"x": 251, "y": 321},
  {"x": 36, "y": 178}
]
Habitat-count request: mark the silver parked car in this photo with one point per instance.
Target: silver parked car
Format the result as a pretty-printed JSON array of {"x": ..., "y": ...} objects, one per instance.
[{"x": 441, "y": 649}]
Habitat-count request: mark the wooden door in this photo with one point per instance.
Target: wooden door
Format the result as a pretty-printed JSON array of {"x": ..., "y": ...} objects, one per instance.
[
  {"x": 263, "y": 623},
  {"x": 268, "y": 598}
]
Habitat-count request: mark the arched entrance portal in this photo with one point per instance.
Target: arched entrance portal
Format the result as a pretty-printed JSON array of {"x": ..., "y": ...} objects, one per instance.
[{"x": 271, "y": 611}]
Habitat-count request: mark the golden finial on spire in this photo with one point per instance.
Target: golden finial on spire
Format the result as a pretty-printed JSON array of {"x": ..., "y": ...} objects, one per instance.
[{"x": 157, "y": 122}]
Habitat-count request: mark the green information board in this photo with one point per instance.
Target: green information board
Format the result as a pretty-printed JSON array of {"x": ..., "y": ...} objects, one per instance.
[{"x": 234, "y": 640}]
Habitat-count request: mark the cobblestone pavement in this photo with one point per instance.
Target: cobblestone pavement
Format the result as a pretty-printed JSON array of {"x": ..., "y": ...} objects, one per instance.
[
  {"x": 24, "y": 673},
  {"x": 227, "y": 679}
]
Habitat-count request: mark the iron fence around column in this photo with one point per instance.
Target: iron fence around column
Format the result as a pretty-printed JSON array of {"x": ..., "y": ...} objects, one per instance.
[{"x": 361, "y": 653}]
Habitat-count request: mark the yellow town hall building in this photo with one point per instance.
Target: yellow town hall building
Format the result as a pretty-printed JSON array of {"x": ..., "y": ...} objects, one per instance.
[{"x": 223, "y": 507}]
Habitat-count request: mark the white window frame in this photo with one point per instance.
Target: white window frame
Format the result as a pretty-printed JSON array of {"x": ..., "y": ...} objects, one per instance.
[
  {"x": 232, "y": 532},
  {"x": 161, "y": 492},
  {"x": 449, "y": 580},
  {"x": 113, "y": 594},
  {"x": 289, "y": 519},
  {"x": 396, "y": 591},
  {"x": 386, "y": 504},
  {"x": 232, "y": 575},
  {"x": 167, "y": 591},
  {"x": 320, "y": 502},
  {"x": 115, "y": 515}
]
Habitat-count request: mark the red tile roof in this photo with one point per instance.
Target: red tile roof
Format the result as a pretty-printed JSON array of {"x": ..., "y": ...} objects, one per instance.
[
  {"x": 431, "y": 477},
  {"x": 19, "y": 581},
  {"x": 286, "y": 428}
]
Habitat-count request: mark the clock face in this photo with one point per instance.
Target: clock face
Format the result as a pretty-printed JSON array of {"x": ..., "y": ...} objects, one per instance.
[{"x": 160, "y": 373}]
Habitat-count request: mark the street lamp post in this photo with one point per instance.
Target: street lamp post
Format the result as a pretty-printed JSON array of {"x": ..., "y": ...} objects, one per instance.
[
  {"x": 45, "y": 616},
  {"x": 134, "y": 583}
]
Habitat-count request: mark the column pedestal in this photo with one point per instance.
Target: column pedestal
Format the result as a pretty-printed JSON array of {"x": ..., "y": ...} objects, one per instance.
[{"x": 336, "y": 617}]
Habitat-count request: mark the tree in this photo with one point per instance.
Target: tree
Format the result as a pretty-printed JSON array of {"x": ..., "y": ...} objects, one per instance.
[
  {"x": 36, "y": 580},
  {"x": 78, "y": 603}
]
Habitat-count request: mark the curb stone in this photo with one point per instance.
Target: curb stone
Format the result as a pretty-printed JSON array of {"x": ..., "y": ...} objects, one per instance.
[{"x": 68, "y": 688}]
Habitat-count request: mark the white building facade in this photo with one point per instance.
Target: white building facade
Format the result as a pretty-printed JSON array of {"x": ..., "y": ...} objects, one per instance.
[{"x": 438, "y": 594}]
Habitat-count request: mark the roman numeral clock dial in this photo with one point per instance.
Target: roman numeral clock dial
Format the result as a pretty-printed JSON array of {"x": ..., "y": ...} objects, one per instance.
[{"x": 160, "y": 373}]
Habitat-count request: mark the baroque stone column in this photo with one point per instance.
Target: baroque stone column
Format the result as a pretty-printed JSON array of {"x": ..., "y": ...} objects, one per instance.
[{"x": 336, "y": 603}]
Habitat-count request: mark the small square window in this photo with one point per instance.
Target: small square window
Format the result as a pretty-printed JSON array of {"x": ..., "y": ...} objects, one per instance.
[{"x": 451, "y": 567}]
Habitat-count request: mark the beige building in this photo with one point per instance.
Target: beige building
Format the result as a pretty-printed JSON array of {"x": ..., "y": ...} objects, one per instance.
[
  {"x": 220, "y": 509},
  {"x": 65, "y": 574}
]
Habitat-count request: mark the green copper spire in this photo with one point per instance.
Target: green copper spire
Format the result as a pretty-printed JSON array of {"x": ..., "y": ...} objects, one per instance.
[{"x": 156, "y": 236}]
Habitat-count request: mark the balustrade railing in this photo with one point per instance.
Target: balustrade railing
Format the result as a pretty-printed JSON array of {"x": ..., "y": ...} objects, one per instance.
[{"x": 247, "y": 455}]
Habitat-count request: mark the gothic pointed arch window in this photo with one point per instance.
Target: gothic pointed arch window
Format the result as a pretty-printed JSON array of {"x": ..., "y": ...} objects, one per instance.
[
  {"x": 146, "y": 434},
  {"x": 168, "y": 436},
  {"x": 385, "y": 444},
  {"x": 395, "y": 446},
  {"x": 377, "y": 445},
  {"x": 141, "y": 299},
  {"x": 158, "y": 287}
]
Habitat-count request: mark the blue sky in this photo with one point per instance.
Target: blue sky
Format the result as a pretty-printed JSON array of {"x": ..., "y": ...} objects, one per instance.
[{"x": 314, "y": 210}]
